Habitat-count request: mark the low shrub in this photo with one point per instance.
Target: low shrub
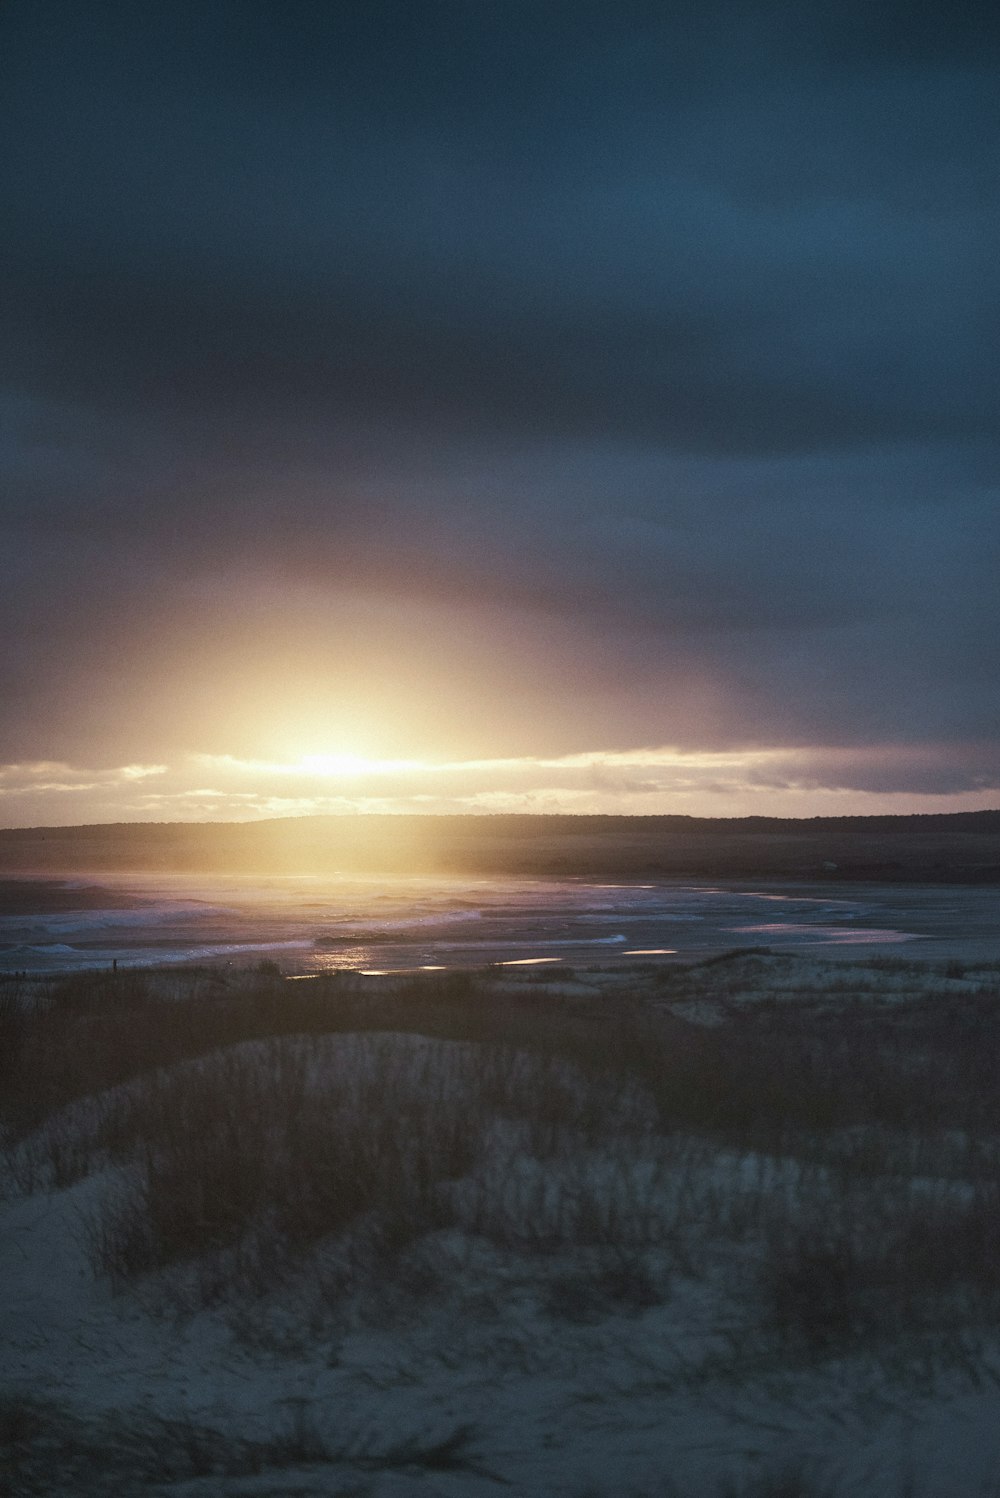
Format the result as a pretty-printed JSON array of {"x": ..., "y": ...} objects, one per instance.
[{"x": 250, "y": 1145}]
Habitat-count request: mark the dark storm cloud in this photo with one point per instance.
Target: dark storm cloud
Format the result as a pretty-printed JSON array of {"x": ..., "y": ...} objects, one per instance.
[
  {"x": 677, "y": 327},
  {"x": 476, "y": 218}
]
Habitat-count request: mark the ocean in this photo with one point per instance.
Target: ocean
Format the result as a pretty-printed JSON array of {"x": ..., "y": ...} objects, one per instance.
[{"x": 312, "y": 925}]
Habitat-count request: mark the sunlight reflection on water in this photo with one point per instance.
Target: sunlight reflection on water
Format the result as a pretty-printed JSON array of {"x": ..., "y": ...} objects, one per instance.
[
  {"x": 311, "y": 926},
  {"x": 823, "y": 935}
]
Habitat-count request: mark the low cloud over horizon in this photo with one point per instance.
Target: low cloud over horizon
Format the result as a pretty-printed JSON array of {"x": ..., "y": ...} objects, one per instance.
[
  {"x": 469, "y": 396},
  {"x": 761, "y": 782}
]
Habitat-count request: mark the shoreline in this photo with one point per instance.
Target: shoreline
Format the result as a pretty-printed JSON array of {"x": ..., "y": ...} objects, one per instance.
[{"x": 308, "y": 926}]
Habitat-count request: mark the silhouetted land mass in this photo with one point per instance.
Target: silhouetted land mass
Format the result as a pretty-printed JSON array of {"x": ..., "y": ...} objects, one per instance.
[{"x": 960, "y": 848}]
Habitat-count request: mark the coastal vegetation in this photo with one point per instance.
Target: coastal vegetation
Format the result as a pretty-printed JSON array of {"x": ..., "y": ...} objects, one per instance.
[{"x": 736, "y": 1172}]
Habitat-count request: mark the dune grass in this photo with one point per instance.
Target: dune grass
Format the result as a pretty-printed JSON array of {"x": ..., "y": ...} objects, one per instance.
[
  {"x": 808, "y": 1177},
  {"x": 842, "y": 1155}
]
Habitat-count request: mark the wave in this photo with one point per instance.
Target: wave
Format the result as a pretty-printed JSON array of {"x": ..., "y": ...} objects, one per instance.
[
  {"x": 46, "y": 949},
  {"x": 62, "y": 958},
  {"x": 615, "y": 918},
  {"x": 829, "y": 935},
  {"x": 225, "y": 949},
  {"x": 380, "y": 931},
  {"x": 500, "y": 943},
  {"x": 70, "y": 923}
]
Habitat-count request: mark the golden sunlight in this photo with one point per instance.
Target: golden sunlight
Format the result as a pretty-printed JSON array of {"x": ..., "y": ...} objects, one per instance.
[
  {"x": 341, "y": 765},
  {"x": 348, "y": 765}
]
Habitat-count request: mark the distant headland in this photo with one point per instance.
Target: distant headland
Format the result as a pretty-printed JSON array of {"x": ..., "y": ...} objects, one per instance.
[{"x": 960, "y": 848}]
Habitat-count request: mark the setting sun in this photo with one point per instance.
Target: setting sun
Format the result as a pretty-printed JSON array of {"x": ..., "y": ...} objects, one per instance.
[{"x": 335, "y": 765}]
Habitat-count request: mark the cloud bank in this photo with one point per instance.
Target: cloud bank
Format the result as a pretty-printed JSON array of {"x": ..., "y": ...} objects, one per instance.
[{"x": 774, "y": 782}]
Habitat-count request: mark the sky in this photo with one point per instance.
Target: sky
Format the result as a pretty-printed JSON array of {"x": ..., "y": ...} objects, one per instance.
[{"x": 492, "y": 405}]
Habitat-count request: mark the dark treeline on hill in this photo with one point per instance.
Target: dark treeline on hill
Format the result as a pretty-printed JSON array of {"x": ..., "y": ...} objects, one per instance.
[{"x": 961, "y": 847}]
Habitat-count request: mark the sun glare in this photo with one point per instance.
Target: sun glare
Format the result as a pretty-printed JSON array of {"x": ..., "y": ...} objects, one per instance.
[
  {"x": 337, "y": 766},
  {"x": 333, "y": 766}
]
